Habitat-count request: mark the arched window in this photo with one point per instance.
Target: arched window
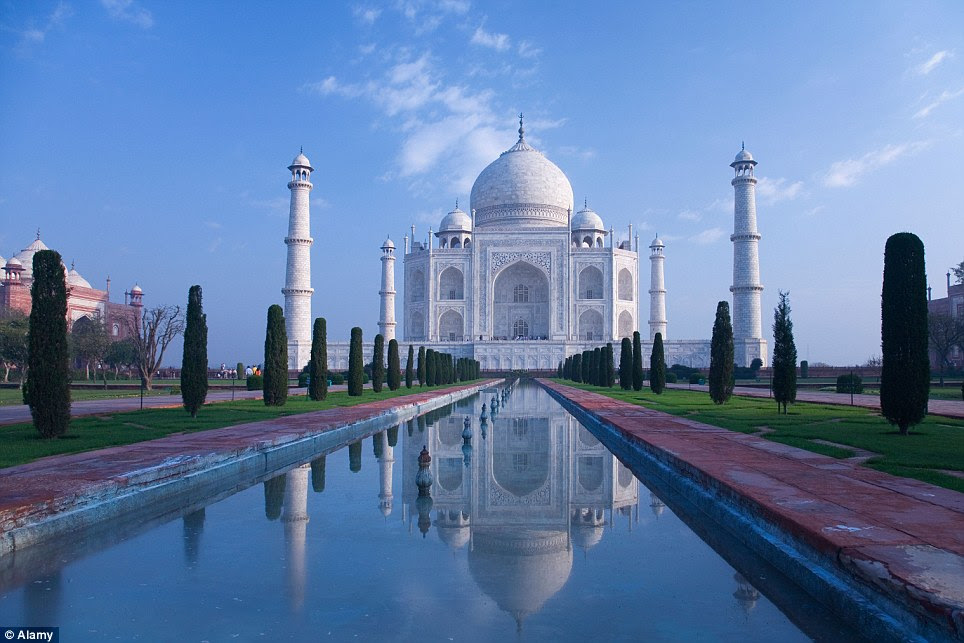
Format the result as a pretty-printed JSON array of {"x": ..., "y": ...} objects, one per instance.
[
  {"x": 468, "y": 242},
  {"x": 520, "y": 295},
  {"x": 520, "y": 328},
  {"x": 115, "y": 330},
  {"x": 591, "y": 283},
  {"x": 442, "y": 242},
  {"x": 625, "y": 324},
  {"x": 587, "y": 242},
  {"x": 455, "y": 243},
  {"x": 625, "y": 285},
  {"x": 451, "y": 284},
  {"x": 418, "y": 286}
]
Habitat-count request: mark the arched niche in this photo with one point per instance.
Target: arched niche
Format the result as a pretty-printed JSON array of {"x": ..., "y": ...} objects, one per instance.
[
  {"x": 591, "y": 325},
  {"x": 590, "y": 283},
  {"x": 451, "y": 284},
  {"x": 521, "y": 293},
  {"x": 624, "y": 285},
  {"x": 450, "y": 326},
  {"x": 625, "y": 325},
  {"x": 417, "y": 285}
]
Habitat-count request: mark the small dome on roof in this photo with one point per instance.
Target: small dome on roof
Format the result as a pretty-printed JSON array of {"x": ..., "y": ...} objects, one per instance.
[
  {"x": 388, "y": 243},
  {"x": 301, "y": 161},
  {"x": 26, "y": 256},
  {"x": 743, "y": 156},
  {"x": 657, "y": 243},
  {"x": 136, "y": 289},
  {"x": 13, "y": 261},
  {"x": 586, "y": 219},
  {"x": 456, "y": 220},
  {"x": 74, "y": 279}
]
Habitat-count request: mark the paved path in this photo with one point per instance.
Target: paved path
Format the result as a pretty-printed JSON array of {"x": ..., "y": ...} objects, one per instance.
[
  {"x": 947, "y": 408},
  {"x": 56, "y": 485},
  {"x": 897, "y": 535},
  {"x": 15, "y": 414}
]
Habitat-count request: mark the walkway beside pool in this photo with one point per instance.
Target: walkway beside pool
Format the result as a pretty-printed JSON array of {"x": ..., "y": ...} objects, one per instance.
[
  {"x": 896, "y": 538},
  {"x": 946, "y": 408},
  {"x": 66, "y": 487}
]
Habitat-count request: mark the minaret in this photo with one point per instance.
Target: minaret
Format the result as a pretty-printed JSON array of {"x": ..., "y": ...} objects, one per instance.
[
  {"x": 657, "y": 290},
  {"x": 298, "y": 290},
  {"x": 386, "y": 319},
  {"x": 295, "y": 519},
  {"x": 747, "y": 321}
]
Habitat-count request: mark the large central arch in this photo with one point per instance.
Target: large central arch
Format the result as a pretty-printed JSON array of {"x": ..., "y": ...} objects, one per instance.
[{"x": 521, "y": 301}]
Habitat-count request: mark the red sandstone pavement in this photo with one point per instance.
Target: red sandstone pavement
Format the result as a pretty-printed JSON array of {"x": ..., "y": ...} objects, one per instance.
[
  {"x": 946, "y": 408},
  {"x": 45, "y": 487},
  {"x": 901, "y": 536}
]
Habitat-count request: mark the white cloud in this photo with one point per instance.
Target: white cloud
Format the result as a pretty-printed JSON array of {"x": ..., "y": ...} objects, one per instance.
[
  {"x": 581, "y": 153},
  {"x": 129, "y": 11},
  {"x": 497, "y": 41},
  {"x": 709, "y": 236},
  {"x": 846, "y": 173},
  {"x": 528, "y": 50},
  {"x": 934, "y": 61},
  {"x": 367, "y": 15},
  {"x": 773, "y": 191},
  {"x": 689, "y": 215},
  {"x": 943, "y": 98},
  {"x": 814, "y": 211},
  {"x": 36, "y": 35}
]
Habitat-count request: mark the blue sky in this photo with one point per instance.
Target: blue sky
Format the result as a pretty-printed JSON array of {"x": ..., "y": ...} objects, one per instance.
[{"x": 149, "y": 142}]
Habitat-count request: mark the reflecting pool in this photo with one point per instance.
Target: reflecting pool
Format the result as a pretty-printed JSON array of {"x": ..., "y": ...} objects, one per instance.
[{"x": 532, "y": 530}]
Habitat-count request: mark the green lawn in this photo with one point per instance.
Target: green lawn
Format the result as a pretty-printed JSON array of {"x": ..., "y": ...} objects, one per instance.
[
  {"x": 20, "y": 443},
  {"x": 934, "y": 445}
]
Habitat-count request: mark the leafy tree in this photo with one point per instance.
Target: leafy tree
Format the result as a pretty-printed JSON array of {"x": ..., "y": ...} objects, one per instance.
[
  {"x": 721, "y": 356},
  {"x": 14, "y": 326},
  {"x": 422, "y": 366},
  {"x": 958, "y": 271},
  {"x": 637, "y": 362},
  {"x": 120, "y": 354},
  {"x": 152, "y": 332},
  {"x": 905, "y": 375},
  {"x": 626, "y": 364},
  {"x": 577, "y": 367},
  {"x": 378, "y": 363},
  {"x": 48, "y": 356},
  {"x": 784, "y": 355},
  {"x": 944, "y": 333},
  {"x": 409, "y": 367},
  {"x": 657, "y": 366},
  {"x": 394, "y": 367},
  {"x": 356, "y": 367},
  {"x": 318, "y": 378},
  {"x": 194, "y": 363},
  {"x": 89, "y": 342},
  {"x": 275, "y": 358}
]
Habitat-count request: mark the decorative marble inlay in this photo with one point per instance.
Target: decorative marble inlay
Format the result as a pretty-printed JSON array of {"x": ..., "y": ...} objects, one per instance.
[{"x": 502, "y": 259}]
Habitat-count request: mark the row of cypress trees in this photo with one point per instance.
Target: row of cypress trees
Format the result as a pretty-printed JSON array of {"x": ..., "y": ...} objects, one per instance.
[{"x": 592, "y": 366}]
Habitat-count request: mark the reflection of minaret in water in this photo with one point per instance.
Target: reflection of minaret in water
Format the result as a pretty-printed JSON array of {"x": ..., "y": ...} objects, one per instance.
[
  {"x": 295, "y": 520},
  {"x": 745, "y": 594},
  {"x": 385, "y": 465},
  {"x": 193, "y": 528}
]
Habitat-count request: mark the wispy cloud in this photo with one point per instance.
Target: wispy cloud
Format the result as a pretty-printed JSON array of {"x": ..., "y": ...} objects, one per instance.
[
  {"x": 573, "y": 151},
  {"x": 129, "y": 11},
  {"x": 932, "y": 62},
  {"x": 773, "y": 191},
  {"x": 706, "y": 237},
  {"x": 527, "y": 50},
  {"x": 940, "y": 100},
  {"x": 814, "y": 211},
  {"x": 689, "y": 215},
  {"x": 497, "y": 41},
  {"x": 367, "y": 15},
  {"x": 34, "y": 35},
  {"x": 846, "y": 173}
]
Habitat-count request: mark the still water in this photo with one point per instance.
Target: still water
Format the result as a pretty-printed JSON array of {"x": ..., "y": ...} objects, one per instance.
[{"x": 534, "y": 531}]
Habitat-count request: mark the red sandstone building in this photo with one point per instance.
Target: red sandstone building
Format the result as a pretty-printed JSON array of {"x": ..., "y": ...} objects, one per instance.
[
  {"x": 83, "y": 300},
  {"x": 953, "y": 306}
]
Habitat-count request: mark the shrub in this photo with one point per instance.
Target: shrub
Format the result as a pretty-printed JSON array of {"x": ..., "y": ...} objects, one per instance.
[
  {"x": 671, "y": 377},
  {"x": 848, "y": 380},
  {"x": 804, "y": 369},
  {"x": 694, "y": 378},
  {"x": 255, "y": 382},
  {"x": 336, "y": 378},
  {"x": 303, "y": 379}
]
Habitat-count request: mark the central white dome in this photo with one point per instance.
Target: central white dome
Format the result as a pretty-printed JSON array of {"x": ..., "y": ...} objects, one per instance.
[{"x": 522, "y": 187}]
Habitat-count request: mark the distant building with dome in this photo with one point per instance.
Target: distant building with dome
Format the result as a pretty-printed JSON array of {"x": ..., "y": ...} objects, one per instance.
[
  {"x": 83, "y": 300},
  {"x": 521, "y": 280}
]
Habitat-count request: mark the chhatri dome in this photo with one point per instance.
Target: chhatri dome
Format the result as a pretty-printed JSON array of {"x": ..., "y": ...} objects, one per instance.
[
  {"x": 522, "y": 187},
  {"x": 455, "y": 221}
]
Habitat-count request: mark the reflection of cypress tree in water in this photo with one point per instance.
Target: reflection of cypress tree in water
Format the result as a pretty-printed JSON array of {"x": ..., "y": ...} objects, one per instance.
[
  {"x": 393, "y": 436},
  {"x": 354, "y": 456},
  {"x": 411, "y": 427},
  {"x": 318, "y": 474},
  {"x": 421, "y": 424},
  {"x": 41, "y": 601},
  {"x": 377, "y": 445},
  {"x": 274, "y": 497},
  {"x": 193, "y": 528}
]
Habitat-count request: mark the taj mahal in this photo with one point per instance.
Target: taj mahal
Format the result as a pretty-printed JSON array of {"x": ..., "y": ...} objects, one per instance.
[{"x": 521, "y": 281}]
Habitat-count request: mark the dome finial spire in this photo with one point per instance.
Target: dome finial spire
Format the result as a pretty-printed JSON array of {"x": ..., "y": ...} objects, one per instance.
[
  {"x": 522, "y": 131},
  {"x": 456, "y": 203},
  {"x": 585, "y": 202},
  {"x": 38, "y": 234},
  {"x": 742, "y": 145}
]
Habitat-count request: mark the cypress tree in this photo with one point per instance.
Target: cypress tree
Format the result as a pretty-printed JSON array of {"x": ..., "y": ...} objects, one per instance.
[
  {"x": 240, "y": 370},
  {"x": 905, "y": 374},
  {"x": 356, "y": 366},
  {"x": 610, "y": 365},
  {"x": 657, "y": 366},
  {"x": 422, "y": 366},
  {"x": 597, "y": 358},
  {"x": 318, "y": 379},
  {"x": 567, "y": 368},
  {"x": 784, "y": 355},
  {"x": 577, "y": 367},
  {"x": 626, "y": 364},
  {"x": 394, "y": 367},
  {"x": 637, "y": 362},
  {"x": 48, "y": 353},
  {"x": 430, "y": 367},
  {"x": 275, "y": 358},
  {"x": 194, "y": 362},
  {"x": 586, "y": 367},
  {"x": 378, "y": 363},
  {"x": 721, "y": 356},
  {"x": 410, "y": 367}
]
